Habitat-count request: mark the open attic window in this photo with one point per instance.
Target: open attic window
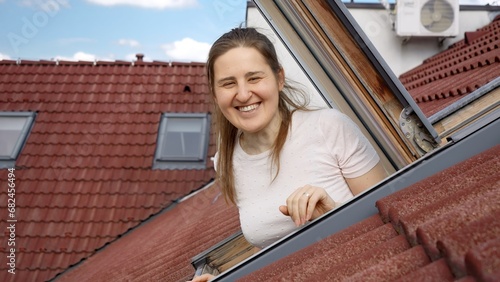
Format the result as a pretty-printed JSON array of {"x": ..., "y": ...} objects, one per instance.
[
  {"x": 14, "y": 130},
  {"x": 182, "y": 141},
  {"x": 350, "y": 75},
  {"x": 223, "y": 256}
]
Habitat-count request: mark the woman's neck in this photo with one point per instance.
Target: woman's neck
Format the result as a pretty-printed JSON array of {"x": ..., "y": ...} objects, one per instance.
[{"x": 259, "y": 142}]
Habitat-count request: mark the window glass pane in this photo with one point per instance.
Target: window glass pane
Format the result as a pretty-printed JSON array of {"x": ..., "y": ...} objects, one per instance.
[
  {"x": 172, "y": 145},
  {"x": 184, "y": 124},
  {"x": 10, "y": 132},
  {"x": 183, "y": 139},
  {"x": 193, "y": 143}
]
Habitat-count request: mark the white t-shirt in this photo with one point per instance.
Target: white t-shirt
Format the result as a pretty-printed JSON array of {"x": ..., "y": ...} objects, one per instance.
[{"x": 322, "y": 148}]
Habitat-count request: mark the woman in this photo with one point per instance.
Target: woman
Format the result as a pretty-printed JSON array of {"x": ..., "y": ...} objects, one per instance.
[{"x": 280, "y": 163}]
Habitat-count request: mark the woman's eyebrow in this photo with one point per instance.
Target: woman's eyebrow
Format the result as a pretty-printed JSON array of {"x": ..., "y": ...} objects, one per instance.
[
  {"x": 252, "y": 73},
  {"x": 222, "y": 80},
  {"x": 247, "y": 75}
]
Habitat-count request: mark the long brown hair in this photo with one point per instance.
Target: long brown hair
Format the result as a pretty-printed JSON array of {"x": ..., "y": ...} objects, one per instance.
[{"x": 294, "y": 99}]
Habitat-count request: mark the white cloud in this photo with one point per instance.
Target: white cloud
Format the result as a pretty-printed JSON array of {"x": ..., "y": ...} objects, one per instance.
[
  {"x": 155, "y": 4},
  {"x": 3, "y": 56},
  {"x": 129, "y": 42},
  {"x": 187, "y": 50},
  {"x": 82, "y": 56}
]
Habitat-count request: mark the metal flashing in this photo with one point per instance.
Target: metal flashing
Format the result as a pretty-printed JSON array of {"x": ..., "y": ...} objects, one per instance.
[{"x": 478, "y": 93}]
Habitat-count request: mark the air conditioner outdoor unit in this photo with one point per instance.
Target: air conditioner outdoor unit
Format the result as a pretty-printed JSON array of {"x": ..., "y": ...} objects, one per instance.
[{"x": 427, "y": 18}]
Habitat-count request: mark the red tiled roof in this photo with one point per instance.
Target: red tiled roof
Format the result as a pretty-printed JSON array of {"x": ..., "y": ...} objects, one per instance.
[
  {"x": 442, "y": 228},
  {"x": 461, "y": 69},
  {"x": 162, "y": 248},
  {"x": 85, "y": 175}
]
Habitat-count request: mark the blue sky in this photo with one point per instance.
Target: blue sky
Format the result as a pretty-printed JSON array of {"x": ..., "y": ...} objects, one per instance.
[{"x": 163, "y": 30}]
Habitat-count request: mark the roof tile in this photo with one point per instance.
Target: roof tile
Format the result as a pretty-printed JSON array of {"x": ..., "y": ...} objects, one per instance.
[
  {"x": 369, "y": 258},
  {"x": 85, "y": 174},
  {"x": 457, "y": 71},
  {"x": 192, "y": 218},
  {"x": 448, "y": 203},
  {"x": 436, "y": 271},
  {"x": 394, "y": 267},
  {"x": 456, "y": 245},
  {"x": 484, "y": 261},
  {"x": 437, "y": 228}
]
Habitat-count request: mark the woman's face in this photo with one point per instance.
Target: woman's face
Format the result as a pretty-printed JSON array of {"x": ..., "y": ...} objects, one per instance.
[{"x": 246, "y": 89}]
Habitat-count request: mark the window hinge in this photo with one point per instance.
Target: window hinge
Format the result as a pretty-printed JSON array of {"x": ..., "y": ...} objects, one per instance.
[{"x": 415, "y": 132}]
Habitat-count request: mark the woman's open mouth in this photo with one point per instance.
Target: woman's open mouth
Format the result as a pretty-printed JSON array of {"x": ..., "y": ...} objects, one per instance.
[{"x": 248, "y": 108}]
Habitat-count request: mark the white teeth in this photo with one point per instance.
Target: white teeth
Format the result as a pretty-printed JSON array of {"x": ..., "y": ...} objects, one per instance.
[{"x": 247, "y": 108}]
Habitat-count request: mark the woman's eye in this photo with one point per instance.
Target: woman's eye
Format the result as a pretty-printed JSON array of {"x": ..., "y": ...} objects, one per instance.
[
  {"x": 254, "y": 79},
  {"x": 227, "y": 84}
]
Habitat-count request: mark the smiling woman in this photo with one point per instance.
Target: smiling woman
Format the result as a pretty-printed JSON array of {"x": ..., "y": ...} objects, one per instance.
[
  {"x": 281, "y": 163},
  {"x": 246, "y": 92}
]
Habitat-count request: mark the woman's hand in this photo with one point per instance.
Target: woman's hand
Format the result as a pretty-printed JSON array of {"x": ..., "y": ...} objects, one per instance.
[
  {"x": 203, "y": 278},
  {"x": 307, "y": 203}
]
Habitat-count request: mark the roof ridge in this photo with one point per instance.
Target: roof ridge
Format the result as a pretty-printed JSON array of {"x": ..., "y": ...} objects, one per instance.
[{"x": 43, "y": 62}]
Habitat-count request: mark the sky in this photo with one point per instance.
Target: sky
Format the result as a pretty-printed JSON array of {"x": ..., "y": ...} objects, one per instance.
[
  {"x": 88, "y": 30},
  {"x": 162, "y": 30}
]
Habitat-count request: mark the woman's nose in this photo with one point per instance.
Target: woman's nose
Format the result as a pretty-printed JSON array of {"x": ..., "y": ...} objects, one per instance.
[{"x": 243, "y": 94}]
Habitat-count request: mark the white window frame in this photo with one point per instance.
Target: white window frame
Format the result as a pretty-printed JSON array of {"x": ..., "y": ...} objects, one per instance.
[
  {"x": 8, "y": 161},
  {"x": 195, "y": 161}
]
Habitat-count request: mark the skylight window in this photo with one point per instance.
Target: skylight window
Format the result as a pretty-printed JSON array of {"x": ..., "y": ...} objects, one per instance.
[
  {"x": 14, "y": 130},
  {"x": 182, "y": 141}
]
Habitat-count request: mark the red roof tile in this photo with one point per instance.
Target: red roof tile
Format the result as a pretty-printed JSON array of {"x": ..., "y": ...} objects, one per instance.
[
  {"x": 460, "y": 70},
  {"x": 162, "y": 248},
  {"x": 484, "y": 261},
  {"x": 84, "y": 177}
]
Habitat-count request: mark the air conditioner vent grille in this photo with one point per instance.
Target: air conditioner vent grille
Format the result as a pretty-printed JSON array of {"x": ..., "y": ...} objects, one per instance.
[{"x": 437, "y": 15}]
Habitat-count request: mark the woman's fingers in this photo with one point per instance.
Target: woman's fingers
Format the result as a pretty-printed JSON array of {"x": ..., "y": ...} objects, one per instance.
[
  {"x": 202, "y": 278},
  {"x": 307, "y": 203},
  {"x": 284, "y": 210},
  {"x": 297, "y": 204}
]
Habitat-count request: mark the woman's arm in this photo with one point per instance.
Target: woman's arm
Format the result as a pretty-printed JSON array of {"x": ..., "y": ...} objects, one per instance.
[
  {"x": 309, "y": 202},
  {"x": 367, "y": 180}
]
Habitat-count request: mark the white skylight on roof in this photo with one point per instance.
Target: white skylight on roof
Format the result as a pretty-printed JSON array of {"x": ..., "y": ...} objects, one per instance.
[
  {"x": 182, "y": 141},
  {"x": 14, "y": 129}
]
